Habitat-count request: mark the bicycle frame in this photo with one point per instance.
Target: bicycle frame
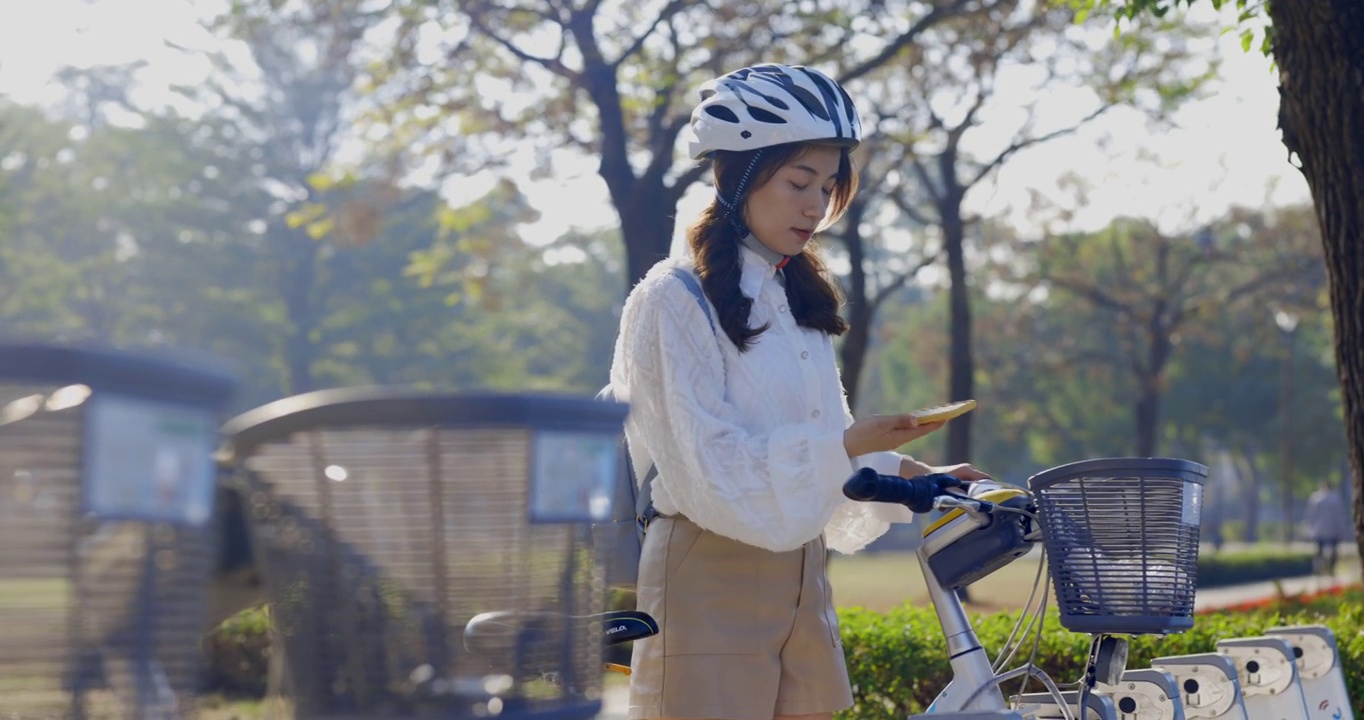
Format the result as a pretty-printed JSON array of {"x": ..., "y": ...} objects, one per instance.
[
  {"x": 975, "y": 685},
  {"x": 970, "y": 665}
]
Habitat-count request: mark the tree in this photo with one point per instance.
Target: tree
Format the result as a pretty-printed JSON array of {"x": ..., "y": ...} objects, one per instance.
[
  {"x": 876, "y": 270},
  {"x": 1260, "y": 387},
  {"x": 1059, "y": 384},
  {"x": 85, "y": 199},
  {"x": 610, "y": 80},
  {"x": 1318, "y": 46},
  {"x": 1150, "y": 287},
  {"x": 287, "y": 117},
  {"x": 932, "y": 116}
]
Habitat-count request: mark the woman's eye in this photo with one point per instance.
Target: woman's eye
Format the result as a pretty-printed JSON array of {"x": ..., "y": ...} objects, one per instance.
[
  {"x": 799, "y": 187},
  {"x": 828, "y": 192}
]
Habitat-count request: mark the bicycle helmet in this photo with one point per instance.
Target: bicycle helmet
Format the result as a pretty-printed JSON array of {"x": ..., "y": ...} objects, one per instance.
[{"x": 765, "y": 105}]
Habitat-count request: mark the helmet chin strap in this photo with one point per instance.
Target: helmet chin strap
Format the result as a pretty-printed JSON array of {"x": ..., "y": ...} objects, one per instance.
[
  {"x": 767, "y": 253},
  {"x": 734, "y": 215},
  {"x": 734, "y": 209}
]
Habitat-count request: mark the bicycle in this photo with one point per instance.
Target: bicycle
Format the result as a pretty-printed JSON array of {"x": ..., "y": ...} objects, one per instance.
[
  {"x": 1114, "y": 577},
  {"x": 986, "y": 526}
]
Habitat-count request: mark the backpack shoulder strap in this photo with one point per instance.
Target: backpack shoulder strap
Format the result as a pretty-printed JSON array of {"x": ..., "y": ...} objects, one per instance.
[
  {"x": 694, "y": 287},
  {"x": 644, "y": 501}
]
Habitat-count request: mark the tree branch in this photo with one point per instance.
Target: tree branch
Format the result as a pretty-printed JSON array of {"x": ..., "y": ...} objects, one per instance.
[
  {"x": 969, "y": 120},
  {"x": 901, "y": 280},
  {"x": 934, "y": 16},
  {"x": 919, "y": 169},
  {"x": 912, "y": 212},
  {"x": 666, "y": 14},
  {"x": 1029, "y": 142},
  {"x": 554, "y": 64},
  {"x": 686, "y": 180},
  {"x": 1093, "y": 294}
]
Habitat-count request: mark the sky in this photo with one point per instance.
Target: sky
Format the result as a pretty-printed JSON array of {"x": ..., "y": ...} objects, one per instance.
[{"x": 1224, "y": 151}]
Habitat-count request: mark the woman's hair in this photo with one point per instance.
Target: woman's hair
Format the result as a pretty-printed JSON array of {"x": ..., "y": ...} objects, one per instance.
[{"x": 714, "y": 240}]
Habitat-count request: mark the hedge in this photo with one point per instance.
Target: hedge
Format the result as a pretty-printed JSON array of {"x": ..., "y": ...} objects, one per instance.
[
  {"x": 1221, "y": 569},
  {"x": 897, "y": 661}
]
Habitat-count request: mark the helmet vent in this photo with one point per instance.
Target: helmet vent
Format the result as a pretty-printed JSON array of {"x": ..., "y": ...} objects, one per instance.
[
  {"x": 766, "y": 116},
  {"x": 720, "y": 112}
]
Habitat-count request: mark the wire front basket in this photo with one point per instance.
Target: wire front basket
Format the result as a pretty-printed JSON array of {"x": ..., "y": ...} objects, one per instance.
[{"x": 1122, "y": 542}]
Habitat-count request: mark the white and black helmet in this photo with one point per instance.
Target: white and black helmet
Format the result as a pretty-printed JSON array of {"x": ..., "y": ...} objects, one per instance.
[{"x": 766, "y": 105}]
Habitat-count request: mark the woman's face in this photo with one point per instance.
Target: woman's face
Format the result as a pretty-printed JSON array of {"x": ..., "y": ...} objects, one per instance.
[{"x": 787, "y": 209}]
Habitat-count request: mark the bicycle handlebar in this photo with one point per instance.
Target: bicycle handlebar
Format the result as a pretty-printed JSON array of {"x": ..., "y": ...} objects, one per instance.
[{"x": 916, "y": 493}]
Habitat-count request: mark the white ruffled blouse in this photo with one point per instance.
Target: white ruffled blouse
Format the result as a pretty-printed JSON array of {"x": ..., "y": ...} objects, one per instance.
[{"x": 748, "y": 445}]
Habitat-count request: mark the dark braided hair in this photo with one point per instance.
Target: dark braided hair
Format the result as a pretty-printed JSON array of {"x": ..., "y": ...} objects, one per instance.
[{"x": 714, "y": 237}]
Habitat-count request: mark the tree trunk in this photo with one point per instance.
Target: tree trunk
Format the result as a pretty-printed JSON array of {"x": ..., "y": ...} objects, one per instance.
[
  {"x": 961, "y": 372},
  {"x": 298, "y": 275},
  {"x": 1319, "y": 49},
  {"x": 646, "y": 204},
  {"x": 647, "y": 221},
  {"x": 1248, "y": 478},
  {"x": 1286, "y": 452},
  {"x": 853, "y": 354},
  {"x": 1148, "y": 417},
  {"x": 1151, "y": 390}
]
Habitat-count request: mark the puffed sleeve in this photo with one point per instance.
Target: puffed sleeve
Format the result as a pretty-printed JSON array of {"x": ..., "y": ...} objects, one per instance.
[{"x": 854, "y": 525}]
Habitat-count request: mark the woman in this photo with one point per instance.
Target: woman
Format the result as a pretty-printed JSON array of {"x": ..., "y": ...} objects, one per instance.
[{"x": 746, "y": 421}]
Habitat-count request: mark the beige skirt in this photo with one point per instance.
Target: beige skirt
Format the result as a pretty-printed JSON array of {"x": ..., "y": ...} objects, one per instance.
[{"x": 744, "y": 633}]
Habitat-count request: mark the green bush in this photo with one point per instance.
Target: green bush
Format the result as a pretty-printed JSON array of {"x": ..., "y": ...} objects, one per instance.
[
  {"x": 238, "y": 654},
  {"x": 897, "y": 661},
  {"x": 1219, "y": 569}
]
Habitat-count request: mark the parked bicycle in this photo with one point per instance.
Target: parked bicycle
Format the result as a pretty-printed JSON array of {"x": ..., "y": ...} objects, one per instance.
[{"x": 1120, "y": 537}]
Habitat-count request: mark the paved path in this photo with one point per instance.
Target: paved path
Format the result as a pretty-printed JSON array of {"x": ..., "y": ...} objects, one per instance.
[{"x": 1213, "y": 598}]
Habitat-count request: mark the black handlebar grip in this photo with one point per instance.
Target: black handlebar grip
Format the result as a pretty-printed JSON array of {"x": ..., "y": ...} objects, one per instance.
[
  {"x": 862, "y": 485},
  {"x": 867, "y": 485}
]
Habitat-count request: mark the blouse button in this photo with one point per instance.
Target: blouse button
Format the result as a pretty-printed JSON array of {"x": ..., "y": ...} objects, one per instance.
[
  {"x": 815, "y": 414},
  {"x": 782, "y": 308},
  {"x": 805, "y": 355}
]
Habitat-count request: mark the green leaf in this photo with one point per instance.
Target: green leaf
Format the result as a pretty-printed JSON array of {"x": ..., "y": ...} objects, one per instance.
[
  {"x": 320, "y": 182},
  {"x": 306, "y": 213},
  {"x": 459, "y": 220},
  {"x": 321, "y": 228}
]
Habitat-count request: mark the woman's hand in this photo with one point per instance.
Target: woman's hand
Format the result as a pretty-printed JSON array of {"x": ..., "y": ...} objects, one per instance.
[
  {"x": 963, "y": 471},
  {"x": 884, "y": 432},
  {"x": 909, "y": 467}
]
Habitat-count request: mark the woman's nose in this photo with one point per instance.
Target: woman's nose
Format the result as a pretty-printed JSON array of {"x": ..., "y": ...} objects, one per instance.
[{"x": 815, "y": 209}]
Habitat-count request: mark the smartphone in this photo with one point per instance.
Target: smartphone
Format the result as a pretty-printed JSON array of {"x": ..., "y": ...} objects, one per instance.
[{"x": 943, "y": 413}]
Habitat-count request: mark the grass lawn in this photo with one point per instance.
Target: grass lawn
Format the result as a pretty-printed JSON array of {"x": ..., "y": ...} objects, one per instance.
[
  {"x": 882, "y": 581},
  {"x": 33, "y": 593},
  {"x": 214, "y": 707}
]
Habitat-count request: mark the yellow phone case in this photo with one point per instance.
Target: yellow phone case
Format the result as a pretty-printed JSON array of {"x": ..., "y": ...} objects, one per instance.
[{"x": 944, "y": 412}]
